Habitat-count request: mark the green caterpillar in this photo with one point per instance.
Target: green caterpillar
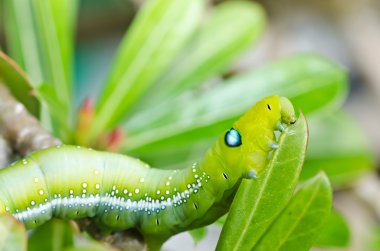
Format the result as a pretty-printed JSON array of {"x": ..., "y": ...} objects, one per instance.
[{"x": 121, "y": 192}]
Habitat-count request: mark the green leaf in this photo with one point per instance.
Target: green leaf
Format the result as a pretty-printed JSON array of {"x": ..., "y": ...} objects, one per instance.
[
  {"x": 47, "y": 95},
  {"x": 40, "y": 35},
  {"x": 55, "y": 22},
  {"x": 335, "y": 232},
  {"x": 302, "y": 220},
  {"x": 198, "y": 234},
  {"x": 258, "y": 202},
  {"x": 185, "y": 126},
  {"x": 21, "y": 37},
  {"x": 157, "y": 35},
  {"x": 18, "y": 84},
  {"x": 343, "y": 158},
  {"x": 217, "y": 43},
  {"x": 54, "y": 235},
  {"x": 12, "y": 234}
]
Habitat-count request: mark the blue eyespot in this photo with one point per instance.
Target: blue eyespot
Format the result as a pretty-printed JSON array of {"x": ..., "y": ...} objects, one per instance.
[{"x": 232, "y": 138}]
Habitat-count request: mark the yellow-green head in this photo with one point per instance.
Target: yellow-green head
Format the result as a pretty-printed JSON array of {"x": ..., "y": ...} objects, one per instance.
[{"x": 252, "y": 137}]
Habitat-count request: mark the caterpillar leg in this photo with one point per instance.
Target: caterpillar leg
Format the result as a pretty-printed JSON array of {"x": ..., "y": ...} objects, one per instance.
[
  {"x": 280, "y": 127},
  {"x": 274, "y": 145}
]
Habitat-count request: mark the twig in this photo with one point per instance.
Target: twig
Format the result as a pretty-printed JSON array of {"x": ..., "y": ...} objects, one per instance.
[
  {"x": 5, "y": 152},
  {"x": 21, "y": 129}
]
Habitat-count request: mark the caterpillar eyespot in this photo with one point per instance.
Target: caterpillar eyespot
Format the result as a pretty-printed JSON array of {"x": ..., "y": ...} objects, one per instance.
[
  {"x": 120, "y": 192},
  {"x": 232, "y": 138}
]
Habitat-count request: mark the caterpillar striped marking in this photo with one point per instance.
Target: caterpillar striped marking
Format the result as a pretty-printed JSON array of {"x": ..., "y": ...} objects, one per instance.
[{"x": 120, "y": 192}]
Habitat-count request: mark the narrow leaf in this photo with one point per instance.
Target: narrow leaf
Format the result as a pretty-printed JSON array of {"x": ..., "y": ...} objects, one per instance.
[
  {"x": 12, "y": 234},
  {"x": 217, "y": 43},
  {"x": 343, "y": 158},
  {"x": 55, "y": 21},
  {"x": 300, "y": 223},
  {"x": 54, "y": 235},
  {"x": 258, "y": 202},
  {"x": 186, "y": 125},
  {"x": 21, "y": 37},
  {"x": 335, "y": 232},
  {"x": 156, "y": 36},
  {"x": 47, "y": 95},
  {"x": 18, "y": 83}
]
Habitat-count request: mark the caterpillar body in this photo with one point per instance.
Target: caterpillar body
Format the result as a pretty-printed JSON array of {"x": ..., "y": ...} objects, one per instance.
[{"x": 121, "y": 192}]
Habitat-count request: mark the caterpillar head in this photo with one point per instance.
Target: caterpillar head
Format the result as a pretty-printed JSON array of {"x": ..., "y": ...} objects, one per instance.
[{"x": 252, "y": 136}]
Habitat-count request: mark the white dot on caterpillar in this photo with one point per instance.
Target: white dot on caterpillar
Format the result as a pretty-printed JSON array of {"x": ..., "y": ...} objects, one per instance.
[
  {"x": 97, "y": 186},
  {"x": 114, "y": 188},
  {"x": 84, "y": 184},
  {"x": 167, "y": 183},
  {"x": 130, "y": 194},
  {"x": 196, "y": 176},
  {"x": 137, "y": 190},
  {"x": 188, "y": 186},
  {"x": 36, "y": 179},
  {"x": 158, "y": 191},
  {"x": 167, "y": 192},
  {"x": 142, "y": 180},
  {"x": 41, "y": 192},
  {"x": 125, "y": 191},
  {"x": 71, "y": 191},
  {"x": 32, "y": 203}
]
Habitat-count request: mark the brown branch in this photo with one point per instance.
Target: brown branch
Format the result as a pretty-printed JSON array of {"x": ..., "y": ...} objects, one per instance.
[
  {"x": 21, "y": 129},
  {"x": 5, "y": 152}
]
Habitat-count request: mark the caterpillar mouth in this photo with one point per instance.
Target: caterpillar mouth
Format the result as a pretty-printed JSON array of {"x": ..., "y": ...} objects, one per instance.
[{"x": 288, "y": 115}]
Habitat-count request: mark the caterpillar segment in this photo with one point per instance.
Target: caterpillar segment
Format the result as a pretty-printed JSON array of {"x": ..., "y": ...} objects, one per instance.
[{"x": 120, "y": 192}]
